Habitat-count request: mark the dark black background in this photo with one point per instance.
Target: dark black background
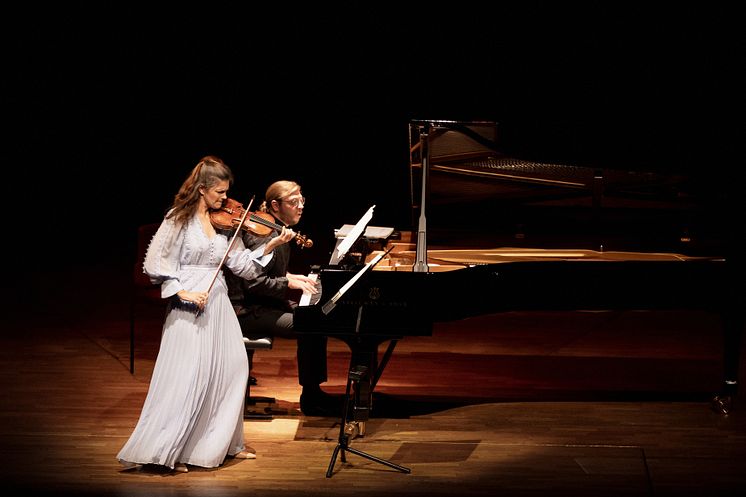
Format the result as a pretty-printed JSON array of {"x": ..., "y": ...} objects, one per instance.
[{"x": 107, "y": 108}]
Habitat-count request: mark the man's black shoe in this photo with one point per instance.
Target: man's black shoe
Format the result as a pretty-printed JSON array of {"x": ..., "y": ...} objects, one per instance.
[
  {"x": 316, "y": 402},
  {"x": 252, "y": 380}
]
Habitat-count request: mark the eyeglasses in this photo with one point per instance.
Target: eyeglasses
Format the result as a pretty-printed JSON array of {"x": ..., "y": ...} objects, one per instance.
[{"x": 294, "y": 202}]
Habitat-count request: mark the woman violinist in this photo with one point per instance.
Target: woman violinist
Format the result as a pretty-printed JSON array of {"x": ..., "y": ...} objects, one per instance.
[{"x": 193, "y": 412}]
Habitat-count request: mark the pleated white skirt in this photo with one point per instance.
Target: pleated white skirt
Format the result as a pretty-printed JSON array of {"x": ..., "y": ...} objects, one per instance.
[{"x": 193, "y": 412}]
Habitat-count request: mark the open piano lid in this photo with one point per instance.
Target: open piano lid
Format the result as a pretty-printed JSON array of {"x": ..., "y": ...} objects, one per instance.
[{"x": 478, "y": 196}]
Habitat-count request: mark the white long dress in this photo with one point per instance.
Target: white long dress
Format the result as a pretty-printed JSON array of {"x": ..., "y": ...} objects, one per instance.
[{"x": 193, "y": 412}]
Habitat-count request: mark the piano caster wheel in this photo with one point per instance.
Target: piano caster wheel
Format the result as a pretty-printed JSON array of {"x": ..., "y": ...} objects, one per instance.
[
  {"x": 722, "y": 404},
  {"x": 354, "y": 429}
]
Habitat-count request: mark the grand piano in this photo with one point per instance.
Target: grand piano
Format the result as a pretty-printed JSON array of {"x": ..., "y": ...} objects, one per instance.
[{"x": 492, "y": 232}]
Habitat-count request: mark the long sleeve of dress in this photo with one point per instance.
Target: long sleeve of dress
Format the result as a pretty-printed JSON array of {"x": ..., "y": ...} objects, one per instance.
[
  {"x": 162, "y": 257},
  {"x": 246, "y": 263},
  {"x": 272, "y": 282}
]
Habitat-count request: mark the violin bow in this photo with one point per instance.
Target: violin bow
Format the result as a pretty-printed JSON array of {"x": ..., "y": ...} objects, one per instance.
[{"x": 230, "y": 245}]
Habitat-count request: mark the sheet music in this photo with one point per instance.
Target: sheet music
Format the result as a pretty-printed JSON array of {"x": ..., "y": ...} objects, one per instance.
[
  {"x": 344, "y": 246},
  {"x": 371, "y": 232}
]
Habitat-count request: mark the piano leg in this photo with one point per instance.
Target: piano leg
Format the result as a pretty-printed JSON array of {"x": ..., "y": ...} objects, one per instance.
[
  {"x": 365, "y": 354},
  {"x": 733, "y": 328}
]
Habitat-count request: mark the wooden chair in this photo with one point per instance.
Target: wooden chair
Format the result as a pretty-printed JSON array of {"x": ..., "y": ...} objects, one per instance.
[{"x": 252, "y": 409}]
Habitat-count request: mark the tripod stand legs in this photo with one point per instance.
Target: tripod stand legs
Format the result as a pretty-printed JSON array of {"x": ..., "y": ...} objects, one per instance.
[
  {"x": 345, "y": 448},
  {"x": 330, "y": 469}
]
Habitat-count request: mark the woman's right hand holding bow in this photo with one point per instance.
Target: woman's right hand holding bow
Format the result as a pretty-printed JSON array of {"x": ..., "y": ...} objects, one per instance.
[{"x": 197, "y": 298}]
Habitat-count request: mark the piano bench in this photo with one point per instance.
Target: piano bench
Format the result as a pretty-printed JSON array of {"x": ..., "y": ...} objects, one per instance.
[{"x": 251, "y": 410}]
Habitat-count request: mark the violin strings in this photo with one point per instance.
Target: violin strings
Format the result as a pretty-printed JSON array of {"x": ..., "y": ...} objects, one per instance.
[
  {"x": 270, "y": 224},
  {"x": 265, "y": 222}
]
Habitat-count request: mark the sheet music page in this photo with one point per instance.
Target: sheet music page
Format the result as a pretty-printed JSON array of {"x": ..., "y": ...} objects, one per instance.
[
  {"x": 352, "y": 237},
  {"x": 371, "y": 232}
]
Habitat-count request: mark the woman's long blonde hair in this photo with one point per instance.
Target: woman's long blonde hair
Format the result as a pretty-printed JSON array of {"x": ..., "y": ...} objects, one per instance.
[{"x": 207, "y": 173}]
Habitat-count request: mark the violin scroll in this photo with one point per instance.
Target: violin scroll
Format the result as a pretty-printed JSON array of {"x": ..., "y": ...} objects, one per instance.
[{"x": 303, "y": 241}]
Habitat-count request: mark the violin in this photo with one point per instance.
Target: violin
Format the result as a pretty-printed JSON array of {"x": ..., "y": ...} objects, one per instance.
[{"x": 260, "y": 223}]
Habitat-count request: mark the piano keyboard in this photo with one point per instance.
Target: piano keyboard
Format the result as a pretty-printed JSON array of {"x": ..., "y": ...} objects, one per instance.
[{"x": 305, "y": 299}]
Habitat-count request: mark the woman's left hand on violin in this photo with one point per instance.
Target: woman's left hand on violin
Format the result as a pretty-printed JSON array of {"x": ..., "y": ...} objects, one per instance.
[{"x": 286, "y": 234}]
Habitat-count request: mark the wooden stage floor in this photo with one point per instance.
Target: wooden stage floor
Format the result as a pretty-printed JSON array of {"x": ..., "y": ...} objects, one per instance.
[{"x": 581, "y": 404}]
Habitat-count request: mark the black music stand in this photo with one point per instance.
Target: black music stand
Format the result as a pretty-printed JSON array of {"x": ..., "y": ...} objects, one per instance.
[{"x": 359, "y": 390}]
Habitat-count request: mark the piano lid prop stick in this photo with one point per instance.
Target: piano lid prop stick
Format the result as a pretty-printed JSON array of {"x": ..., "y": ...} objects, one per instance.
[
  {"x": 327, "y": 308},
  {"x": 354, "y": 234}
]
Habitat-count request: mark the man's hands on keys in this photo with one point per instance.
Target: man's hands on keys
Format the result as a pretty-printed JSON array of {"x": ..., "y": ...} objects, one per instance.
[{"x": 302, "y": 282}]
